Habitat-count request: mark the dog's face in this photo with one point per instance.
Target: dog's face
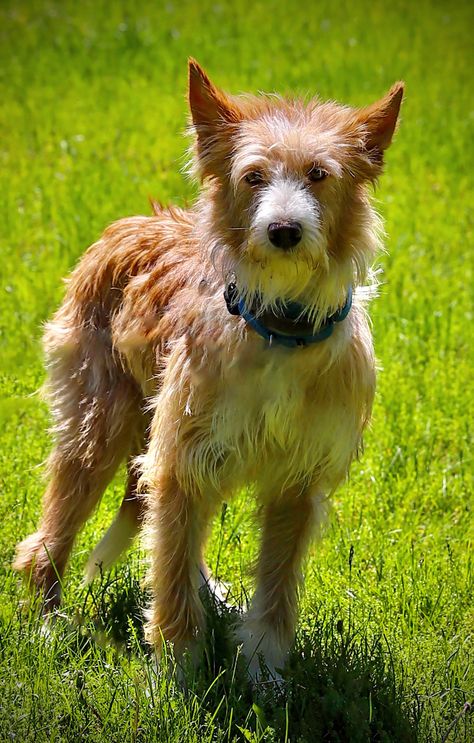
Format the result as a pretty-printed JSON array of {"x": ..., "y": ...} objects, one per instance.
[{"x": 288, "y": 183}]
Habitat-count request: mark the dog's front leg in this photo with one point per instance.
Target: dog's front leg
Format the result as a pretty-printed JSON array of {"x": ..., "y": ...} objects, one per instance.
[
  {"x": 268, "y": 629},
  {"x": 176, "y": 526}
]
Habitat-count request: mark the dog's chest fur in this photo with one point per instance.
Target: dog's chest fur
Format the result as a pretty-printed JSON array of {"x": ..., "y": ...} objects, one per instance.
[{"x": 272, "y": 416}]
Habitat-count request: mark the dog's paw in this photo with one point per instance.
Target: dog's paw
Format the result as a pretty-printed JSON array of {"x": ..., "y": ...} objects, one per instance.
[
  {"x": 177, "y": 664},
  {"x": 263, "y": 654},
  {"x": 264, "y": 676}
]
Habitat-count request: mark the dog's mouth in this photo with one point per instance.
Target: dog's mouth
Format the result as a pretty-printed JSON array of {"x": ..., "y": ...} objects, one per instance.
[
  {"x": 300, "y": 258},
  {"x": 285, "y": 243}
]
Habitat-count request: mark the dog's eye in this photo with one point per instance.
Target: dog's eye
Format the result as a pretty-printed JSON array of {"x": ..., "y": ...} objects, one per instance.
[
  {"x": 317, "y": 174},
  {"x": 254, "y": 178}
]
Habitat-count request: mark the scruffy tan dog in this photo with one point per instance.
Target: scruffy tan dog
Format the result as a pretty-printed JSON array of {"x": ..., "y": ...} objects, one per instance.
[{"x": 219, "y": 347}]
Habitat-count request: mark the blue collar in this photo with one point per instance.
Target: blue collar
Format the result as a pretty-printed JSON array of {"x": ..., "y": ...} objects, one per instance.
[{"x": 289, "y": 311}]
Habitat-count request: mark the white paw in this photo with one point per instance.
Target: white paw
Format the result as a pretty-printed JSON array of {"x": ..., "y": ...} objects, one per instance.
[
  {"x": 55, "y": 624},
  {"x": 263, "y": 652}
]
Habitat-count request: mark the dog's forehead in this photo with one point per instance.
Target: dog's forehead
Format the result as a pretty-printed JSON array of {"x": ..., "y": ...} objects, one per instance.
[{"x": 293, "y": 138}]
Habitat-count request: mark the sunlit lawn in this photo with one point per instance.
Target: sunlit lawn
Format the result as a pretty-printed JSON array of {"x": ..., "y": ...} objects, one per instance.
[{"x": 91, "y": 114}]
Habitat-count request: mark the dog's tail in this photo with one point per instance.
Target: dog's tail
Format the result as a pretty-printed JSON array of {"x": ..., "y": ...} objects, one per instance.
[{"x": 117, "y": 539}]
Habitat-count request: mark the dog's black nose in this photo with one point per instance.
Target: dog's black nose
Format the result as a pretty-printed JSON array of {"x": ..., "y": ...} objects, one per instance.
[{"x": 285, "y": 235}]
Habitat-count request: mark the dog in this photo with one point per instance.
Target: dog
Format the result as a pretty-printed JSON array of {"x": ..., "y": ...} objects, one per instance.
[{"x": 219, "y": 347}]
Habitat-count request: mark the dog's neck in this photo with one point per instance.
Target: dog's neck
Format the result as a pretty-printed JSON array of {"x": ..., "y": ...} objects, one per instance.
[
  {"x": 281, "y": 304},
  {"x": 286, "y": 324}
]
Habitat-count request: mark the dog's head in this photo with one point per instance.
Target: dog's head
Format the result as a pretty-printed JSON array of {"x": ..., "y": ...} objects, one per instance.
[{"x": 287, "y": 187}]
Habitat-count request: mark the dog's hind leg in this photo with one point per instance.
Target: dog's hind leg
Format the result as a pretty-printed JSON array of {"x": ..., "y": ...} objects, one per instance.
[
  {"x": 119, "y": 536},
  {"x": 96, "y": 413}
]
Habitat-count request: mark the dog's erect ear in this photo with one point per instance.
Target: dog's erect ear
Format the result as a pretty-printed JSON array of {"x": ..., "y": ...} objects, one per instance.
[
  {"x": 209, "y": 105},
  {"x": 380, "y": 119}
]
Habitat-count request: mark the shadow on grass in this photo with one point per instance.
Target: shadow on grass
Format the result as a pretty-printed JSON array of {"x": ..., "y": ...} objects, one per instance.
[{"x": 338, "y": 686}]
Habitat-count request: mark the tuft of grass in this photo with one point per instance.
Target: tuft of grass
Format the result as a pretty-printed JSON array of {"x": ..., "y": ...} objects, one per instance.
[{"x": 91, "y": 116}]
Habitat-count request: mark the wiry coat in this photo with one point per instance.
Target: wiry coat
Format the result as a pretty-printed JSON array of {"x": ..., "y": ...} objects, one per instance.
[{"x": 145, "y": 361}]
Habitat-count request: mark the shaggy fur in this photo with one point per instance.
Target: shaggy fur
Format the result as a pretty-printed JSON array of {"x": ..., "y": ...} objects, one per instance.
[{"x": 145, "y": 362}]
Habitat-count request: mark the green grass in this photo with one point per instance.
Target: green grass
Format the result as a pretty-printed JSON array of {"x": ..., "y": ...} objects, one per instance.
[{"x": 91, "y": 115}]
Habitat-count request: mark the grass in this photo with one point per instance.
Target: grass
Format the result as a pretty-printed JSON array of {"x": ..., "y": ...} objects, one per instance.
[{"x": 91, "y": 115}]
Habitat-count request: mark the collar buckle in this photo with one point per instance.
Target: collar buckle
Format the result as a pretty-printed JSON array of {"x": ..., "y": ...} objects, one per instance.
[{"x": 231, "y": 296}]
